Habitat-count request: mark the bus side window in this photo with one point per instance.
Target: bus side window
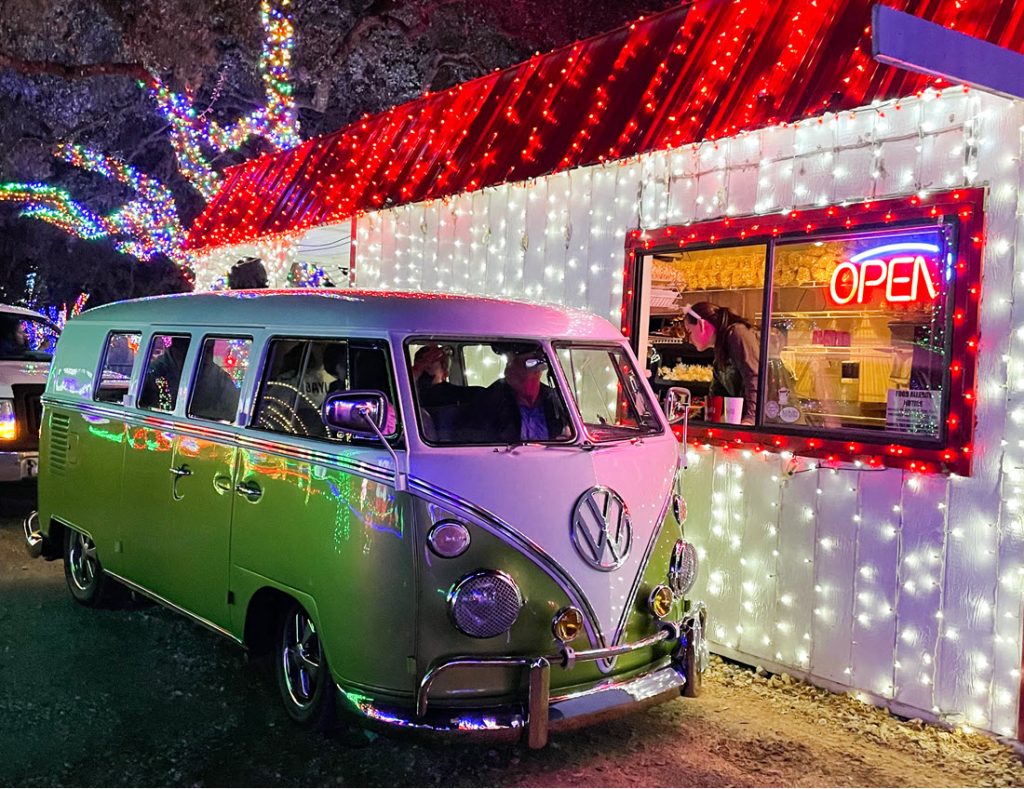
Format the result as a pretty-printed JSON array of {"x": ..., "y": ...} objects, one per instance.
[
  {"x": 116, "y": 372},
  {"x": 218, "y": 381},
  {"x": 162, "y": 377}
]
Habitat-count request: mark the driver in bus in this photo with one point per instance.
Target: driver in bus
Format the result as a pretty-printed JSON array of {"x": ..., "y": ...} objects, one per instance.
[{"x": 519, "y": 407}]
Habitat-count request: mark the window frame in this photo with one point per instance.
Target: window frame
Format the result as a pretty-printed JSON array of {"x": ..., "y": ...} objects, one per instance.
[
  {"x": 145, "y": 369},
  {"x": 421, "y": 339},
  {"x": 960, "y": 212},
  {"x": 595, "y": 345},
  {"x": 130, "y": 396},
  {"x": 396, "y": 441},
  {"x": 193, "y": 376}
]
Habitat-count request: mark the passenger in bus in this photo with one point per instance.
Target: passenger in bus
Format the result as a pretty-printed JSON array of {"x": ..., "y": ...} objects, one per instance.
[
  {"x": 336, "y": 365},
  {"x": 216, "y": 393},
  {"x": 737, "y": 352},
  {"x": 430, "y": 369},
  {"x": 519, "y": 407}
]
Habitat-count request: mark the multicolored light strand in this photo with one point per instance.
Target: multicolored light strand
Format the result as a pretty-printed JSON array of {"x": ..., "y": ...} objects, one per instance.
[
  {"x": 146, "y": 227},
  {"x": 149, "y": 224},
  {"x": 54, "y": 205},
  {"x": 276, "y": 122}
]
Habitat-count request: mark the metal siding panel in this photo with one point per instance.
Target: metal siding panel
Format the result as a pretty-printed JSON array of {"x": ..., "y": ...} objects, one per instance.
[
  {"x": 536, "y": 227},
  {"x": 874, "y": 589},
  {"x": 604, "y": 263},
  {"x": 922, "y": 535},
  {"x": 834, "y": 568},
  {"x": 760, "y": 491},
  {"x": 796, "y": 567},
  {"x": 683, "y": 190}
]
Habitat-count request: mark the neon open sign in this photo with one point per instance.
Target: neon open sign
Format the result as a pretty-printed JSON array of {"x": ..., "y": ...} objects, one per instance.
[{"x": 906, "y": 272}]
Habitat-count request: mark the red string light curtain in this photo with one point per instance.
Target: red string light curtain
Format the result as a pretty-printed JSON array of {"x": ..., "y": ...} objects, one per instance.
[{"x": 700, "y": 71}]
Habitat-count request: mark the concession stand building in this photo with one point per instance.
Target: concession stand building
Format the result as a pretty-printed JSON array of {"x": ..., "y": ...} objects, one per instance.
[{"x": 866, "y": 531}]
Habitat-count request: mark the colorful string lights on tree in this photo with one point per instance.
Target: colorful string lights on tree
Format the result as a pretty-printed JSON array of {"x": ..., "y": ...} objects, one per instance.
[
  {"x": 149, "y": 225},
  {"x": 276, "y": 121},
  {"x": 146, "y": 227}
]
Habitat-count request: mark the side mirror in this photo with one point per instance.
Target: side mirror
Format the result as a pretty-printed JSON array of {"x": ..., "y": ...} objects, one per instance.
[
  {"x": 677, "y": 410},
  {"x": 677, "y": 404},
  {"x": 365, "y": 414}
]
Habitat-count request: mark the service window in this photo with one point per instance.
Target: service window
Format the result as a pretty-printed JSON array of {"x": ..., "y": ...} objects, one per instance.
[
  {"x": 847, "y": 332},
  {"x": 116, "y": 370},
  {"x": 300, "y": 373},
  {"x": 862, "y": 346},
  {"x": 162, "y": 377},
  {"x": 217, "y": 384}
]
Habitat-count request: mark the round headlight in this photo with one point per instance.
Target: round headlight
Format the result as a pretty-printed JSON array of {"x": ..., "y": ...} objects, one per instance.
[
  {"x": 448, "y": 539},
  {"x": 682, "y": 567},
  {"x": 485, "y": 604},
  {"x": 660, "y": 601},
  {"x": 567, "y": 624}
]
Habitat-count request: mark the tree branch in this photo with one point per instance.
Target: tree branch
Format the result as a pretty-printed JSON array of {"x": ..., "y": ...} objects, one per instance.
[{"x": 85, "y": 70}]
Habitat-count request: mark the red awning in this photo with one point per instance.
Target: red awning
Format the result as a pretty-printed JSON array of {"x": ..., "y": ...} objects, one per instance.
[{"x": 700, "y": 71}]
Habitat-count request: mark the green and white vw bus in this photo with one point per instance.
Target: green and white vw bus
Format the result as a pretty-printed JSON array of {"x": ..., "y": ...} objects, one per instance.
[{"x": 444, "y": 514}]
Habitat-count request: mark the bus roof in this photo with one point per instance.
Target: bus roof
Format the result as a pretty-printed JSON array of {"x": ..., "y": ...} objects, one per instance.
[{"x": 357, "y": 310}]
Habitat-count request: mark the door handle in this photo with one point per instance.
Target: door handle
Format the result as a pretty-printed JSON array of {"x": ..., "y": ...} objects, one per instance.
[
  {"x": 181, "y": 471},
  {"x": 222, "y": 483},
  {"x": 250, "y": 490}
]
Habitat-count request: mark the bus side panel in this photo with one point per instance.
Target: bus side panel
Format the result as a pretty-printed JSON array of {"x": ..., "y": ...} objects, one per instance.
[
  {"x": 82, "y": 450},
  {"x": 343, "y": 540}
]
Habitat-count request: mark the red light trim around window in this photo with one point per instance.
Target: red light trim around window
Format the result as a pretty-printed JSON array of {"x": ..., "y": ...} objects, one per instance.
[{"x": 966, "y": 205}]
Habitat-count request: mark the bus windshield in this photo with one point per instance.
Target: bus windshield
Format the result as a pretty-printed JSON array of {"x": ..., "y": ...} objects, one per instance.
[
  {"x": 486, "y": 392},
  {"x": 607, "y": 390}
]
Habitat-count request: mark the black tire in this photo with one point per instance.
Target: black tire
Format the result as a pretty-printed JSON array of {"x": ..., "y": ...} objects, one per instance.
[
  {"x": 303, "y": 676},
  {"x": 86, "y": 581}
]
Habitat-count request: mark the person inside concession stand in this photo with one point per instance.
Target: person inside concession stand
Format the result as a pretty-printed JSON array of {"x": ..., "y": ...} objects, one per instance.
[{"x": 736, "y": 348}]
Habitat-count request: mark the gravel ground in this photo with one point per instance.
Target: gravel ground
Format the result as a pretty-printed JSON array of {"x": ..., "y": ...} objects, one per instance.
[{"x": 143, "y": 697}]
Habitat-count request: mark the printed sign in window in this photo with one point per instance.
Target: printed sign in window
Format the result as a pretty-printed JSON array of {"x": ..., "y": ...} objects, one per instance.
[{"x": 914, "y": 411}]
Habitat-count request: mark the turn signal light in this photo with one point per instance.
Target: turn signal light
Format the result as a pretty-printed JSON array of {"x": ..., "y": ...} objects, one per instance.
[
  {"x": 661, "y": 600},
  {"x": 567, "y": 624},
  {"x": 8, "y": 422}
]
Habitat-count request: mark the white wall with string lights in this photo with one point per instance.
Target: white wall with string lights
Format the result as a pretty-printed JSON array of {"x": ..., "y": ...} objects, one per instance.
[{"x": 906, "y": 587}]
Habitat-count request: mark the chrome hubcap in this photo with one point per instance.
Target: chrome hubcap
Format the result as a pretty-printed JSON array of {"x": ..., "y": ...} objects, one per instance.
[
  {"x": 83, "y": 562},
  {"x": 301, "y": 658}
]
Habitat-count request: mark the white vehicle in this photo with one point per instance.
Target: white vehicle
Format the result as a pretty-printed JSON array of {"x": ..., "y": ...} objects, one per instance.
[{"x": 27, "y": 341}]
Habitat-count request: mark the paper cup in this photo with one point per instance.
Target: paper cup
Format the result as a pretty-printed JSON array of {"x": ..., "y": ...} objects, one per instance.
[{"x": 733, "y": 410}]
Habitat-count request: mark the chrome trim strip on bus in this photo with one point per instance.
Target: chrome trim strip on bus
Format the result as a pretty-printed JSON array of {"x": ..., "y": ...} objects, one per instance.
[
  {"x": 230, "y": 437},
  {"x": 505, "y": 532},
  {"x": 175, "y": 607}
]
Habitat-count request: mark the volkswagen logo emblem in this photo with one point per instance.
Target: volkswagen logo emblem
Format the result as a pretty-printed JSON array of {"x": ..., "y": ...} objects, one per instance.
[{"x": 601, "y": 531}]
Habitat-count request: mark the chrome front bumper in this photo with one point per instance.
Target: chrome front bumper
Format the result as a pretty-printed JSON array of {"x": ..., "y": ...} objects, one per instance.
[
  {"x": 35, "y": 542},
  {"x": 543, "y": 712}
]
